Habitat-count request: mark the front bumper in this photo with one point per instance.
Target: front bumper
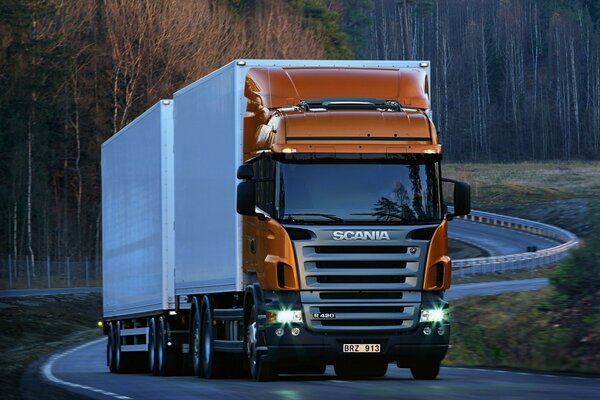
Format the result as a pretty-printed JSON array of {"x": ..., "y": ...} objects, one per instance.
[{"x": 328, "y": 348}]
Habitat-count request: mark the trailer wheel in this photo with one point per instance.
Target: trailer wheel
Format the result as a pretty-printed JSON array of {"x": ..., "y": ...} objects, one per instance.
[
  {"x": 119, "y": 357},
  {"x": 166, "y": 359},
  {"x": 152, "y": 364},
  {"x": 196, "y": 343},
  {"x": 110, "y": 348},
  {"x": 426, "y": 369},
  {"x": 213, "y": 363},
  {"x": 260, "y": 369}
]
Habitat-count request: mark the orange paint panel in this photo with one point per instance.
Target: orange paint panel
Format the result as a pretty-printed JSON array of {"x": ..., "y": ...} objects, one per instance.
[
  {"x": 438, "y": 254},
  {"x": 272, "y": 247},
  {"x": 280, "y": 87}
]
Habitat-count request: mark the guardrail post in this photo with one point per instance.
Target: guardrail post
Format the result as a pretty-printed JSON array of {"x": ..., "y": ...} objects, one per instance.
[
  {"x": 48, "y": 272},
  {"x": 68, "y": 272}
]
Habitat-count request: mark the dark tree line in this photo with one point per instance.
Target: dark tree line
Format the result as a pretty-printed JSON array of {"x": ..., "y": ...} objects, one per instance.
[
  {"x": 511, "y": 79},
  {"x": 72, "y": 73}
]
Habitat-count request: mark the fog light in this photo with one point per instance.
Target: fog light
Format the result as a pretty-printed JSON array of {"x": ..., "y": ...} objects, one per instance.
[
  {"x": 295, "y": 331},
  {"x": 441, "y": 331},
  {"x": 169, "y": 344},
  {"x": 279, "y": 332},
  {"x": 427, "y": 331}
]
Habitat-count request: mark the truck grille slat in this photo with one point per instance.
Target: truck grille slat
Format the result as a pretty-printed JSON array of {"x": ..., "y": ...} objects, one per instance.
[
  {"x": 360, "y": 250},
  {"x": 360, "y": 264}
]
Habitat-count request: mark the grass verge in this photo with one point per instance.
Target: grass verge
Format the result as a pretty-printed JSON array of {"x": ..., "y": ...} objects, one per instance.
[
  {"x": 521, "y": 330},
  {"x": 34, "y": 326}
]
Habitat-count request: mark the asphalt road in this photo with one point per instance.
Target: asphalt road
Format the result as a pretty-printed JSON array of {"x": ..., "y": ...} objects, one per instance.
[
  {"x": 497, "y": 240},
  {"x": 83, "y": 370},
  {"x": 86, "y": 371}
]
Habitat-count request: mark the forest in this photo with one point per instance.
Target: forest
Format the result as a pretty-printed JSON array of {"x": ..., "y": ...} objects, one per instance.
[{"x": 512, "y": 80}]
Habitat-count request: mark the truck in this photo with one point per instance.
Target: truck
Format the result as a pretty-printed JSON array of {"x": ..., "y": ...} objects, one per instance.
[{"x": 277, "y": 217}]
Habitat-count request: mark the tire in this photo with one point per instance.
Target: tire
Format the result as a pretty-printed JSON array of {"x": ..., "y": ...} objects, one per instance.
[
  {"x": 426, "y": 370},
  {"x": 346, "y": 370},
  {"x": 110, "y": 348},
  {"x": 260, "y": 369},
  {"x": 120, "y": 358},
  {"x": 213, "y": 363},
  {"x": 166, "y": 359},
  {"x": 152, "y": 364},
  {"x": 196, "y": 343}
]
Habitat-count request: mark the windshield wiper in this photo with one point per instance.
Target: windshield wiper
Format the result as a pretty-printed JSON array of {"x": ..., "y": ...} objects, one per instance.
[{"x": 329, "y": 216}]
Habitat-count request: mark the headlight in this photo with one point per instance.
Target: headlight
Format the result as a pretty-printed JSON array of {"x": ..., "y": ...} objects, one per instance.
[
  {"x": 289, "y": 316},
  {"x": 433, "y": 315}
]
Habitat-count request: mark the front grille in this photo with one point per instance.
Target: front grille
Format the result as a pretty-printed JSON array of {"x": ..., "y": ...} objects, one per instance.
[
  {"x": 358, "y": 268},
  {"x": 368, "y": 286},
  {"x": 348, "y": 317}
]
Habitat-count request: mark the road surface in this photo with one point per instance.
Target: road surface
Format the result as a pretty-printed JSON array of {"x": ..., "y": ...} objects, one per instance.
[
  {"x": 83, "y": 371},
  {"x": 496, "y": 240}
]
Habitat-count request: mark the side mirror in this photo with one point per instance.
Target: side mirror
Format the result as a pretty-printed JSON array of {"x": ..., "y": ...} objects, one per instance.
[
  {"x": 245, "y": 172},
  {"x": 246, "y": 198},
  {"x": 462, "y": 198}
]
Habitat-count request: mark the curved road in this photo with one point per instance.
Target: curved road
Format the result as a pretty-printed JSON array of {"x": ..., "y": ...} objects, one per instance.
[
  {"x": 496, "y": 240},
  {"x": 83, "y": 370}
]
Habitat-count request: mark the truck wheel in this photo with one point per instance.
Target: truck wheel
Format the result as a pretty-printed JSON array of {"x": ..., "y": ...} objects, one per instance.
[
  {"x": 166, "y": 359},
  {"x": 110, "y": 348},
  {"x": 259, "y": 369},
  {"x": 213, "y": 365},
  {"x": 427, "y": 370},
  {"x": 152, "y": 364},
  {"x": 196, "y": 343}
]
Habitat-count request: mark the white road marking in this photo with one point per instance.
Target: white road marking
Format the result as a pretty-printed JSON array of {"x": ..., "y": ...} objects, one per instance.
[{"x": 49, "y": 375}]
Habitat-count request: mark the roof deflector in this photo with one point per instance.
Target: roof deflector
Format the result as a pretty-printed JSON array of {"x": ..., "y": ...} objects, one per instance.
[{"x": 350, "y": 104}]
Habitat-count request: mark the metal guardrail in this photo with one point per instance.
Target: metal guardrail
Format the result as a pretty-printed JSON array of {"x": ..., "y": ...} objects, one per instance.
[{"x": 516, "y": 261}]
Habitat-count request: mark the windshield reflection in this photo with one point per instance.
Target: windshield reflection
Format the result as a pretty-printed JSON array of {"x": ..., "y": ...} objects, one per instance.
[{"x": 358, "y": 192}]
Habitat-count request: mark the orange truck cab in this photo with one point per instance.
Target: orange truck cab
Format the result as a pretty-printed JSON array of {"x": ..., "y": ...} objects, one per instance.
[{"x": 338, "y": 253}]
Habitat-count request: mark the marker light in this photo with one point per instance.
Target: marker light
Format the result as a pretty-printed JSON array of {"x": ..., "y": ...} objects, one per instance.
[
  {"x": 434, "y": 315},
  {"x": 288, "y": 150},
  {"x": 289, "y": 316}
]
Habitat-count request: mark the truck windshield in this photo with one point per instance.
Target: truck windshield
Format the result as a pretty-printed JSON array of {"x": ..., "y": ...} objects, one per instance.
[{"x": 357, "y": 192}]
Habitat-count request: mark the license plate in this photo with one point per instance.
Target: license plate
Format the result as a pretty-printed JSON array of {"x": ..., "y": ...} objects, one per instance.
[{"x": 362, "y": 348}]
